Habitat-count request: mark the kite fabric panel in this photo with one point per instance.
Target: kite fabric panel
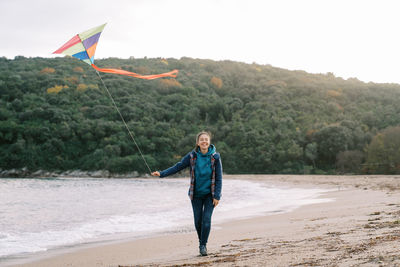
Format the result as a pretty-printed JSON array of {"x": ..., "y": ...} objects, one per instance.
[{"x": 83, "y": 46}]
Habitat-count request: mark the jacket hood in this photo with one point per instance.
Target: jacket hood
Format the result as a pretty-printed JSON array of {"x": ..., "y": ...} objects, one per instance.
[{"x": 211, "y": 150}]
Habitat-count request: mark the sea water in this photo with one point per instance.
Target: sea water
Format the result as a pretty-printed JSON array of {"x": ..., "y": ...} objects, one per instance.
[{"x": 41, "y": 214}]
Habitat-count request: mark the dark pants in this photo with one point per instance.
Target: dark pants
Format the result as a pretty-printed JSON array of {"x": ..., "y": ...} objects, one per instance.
[{"x": 202, "y": 211}]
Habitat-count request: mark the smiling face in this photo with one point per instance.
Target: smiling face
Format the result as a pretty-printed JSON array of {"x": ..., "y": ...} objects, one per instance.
[{"x": 203, "y": 141}]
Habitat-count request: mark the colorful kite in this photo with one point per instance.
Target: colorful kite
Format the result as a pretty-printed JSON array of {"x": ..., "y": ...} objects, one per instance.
[{"x": 83, "y": 47}]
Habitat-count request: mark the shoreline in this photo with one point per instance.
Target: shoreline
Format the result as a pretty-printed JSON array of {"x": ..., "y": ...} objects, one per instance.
[{"x": 256, "y": 240}]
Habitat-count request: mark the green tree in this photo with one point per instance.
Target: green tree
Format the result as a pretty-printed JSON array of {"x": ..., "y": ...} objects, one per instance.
[
  {"x": 311, "y": 153},
  {"x": 383, "y": 153},
  {"x": 349, "y": 161},
  {"x": 330, "y": 141}
]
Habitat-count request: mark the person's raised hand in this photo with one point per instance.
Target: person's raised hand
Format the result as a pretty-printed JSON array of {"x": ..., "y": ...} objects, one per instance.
[{"x": 156, "y": 173}]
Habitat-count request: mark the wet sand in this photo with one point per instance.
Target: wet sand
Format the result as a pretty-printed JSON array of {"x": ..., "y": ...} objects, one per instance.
[{"x": 361, "y": 227}]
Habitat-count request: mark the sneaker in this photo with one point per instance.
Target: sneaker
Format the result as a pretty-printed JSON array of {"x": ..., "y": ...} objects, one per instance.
[{"x": 203, "y": 250}]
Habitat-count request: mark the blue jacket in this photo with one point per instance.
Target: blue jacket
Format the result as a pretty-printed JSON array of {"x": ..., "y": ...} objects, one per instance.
[{"x": 190, "y": 161}]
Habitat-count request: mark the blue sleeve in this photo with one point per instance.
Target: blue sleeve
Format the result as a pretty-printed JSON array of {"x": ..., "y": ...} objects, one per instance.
[
  {"x": 184, "y": 163},
  {"x": 218, "y": 177}
]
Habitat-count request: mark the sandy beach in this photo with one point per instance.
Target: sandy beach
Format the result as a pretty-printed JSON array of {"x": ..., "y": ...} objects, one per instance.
[{"x": 361, "y": 227}]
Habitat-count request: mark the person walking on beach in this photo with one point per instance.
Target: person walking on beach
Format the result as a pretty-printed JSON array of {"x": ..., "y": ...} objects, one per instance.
[{"x": 205, "y": 184}]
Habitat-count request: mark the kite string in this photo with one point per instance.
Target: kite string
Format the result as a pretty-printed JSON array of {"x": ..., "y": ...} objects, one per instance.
[{"x": 123, "y": 120}]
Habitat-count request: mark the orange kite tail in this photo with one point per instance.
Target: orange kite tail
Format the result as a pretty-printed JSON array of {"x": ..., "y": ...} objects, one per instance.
[{"x": 132, "y": 74}]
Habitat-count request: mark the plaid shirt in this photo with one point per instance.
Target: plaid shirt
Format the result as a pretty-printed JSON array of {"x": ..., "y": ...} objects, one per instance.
[
  {"x": 190, "y": 161},
  {"x": 193, "y": 157}
]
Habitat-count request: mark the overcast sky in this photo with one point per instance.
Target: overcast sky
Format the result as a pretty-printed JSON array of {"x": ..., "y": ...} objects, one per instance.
[{"x": 351, "y": 38}]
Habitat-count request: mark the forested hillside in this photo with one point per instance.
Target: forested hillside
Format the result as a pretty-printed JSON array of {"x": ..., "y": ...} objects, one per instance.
[{"x": 55, "y": 115}]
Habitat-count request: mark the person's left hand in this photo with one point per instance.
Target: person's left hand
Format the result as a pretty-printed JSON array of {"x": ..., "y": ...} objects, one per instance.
[{"x": 215, "y": 202}]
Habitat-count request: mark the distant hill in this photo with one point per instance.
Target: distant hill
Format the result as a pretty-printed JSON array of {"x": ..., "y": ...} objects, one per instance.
[{"x": 55, "y": 115}]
